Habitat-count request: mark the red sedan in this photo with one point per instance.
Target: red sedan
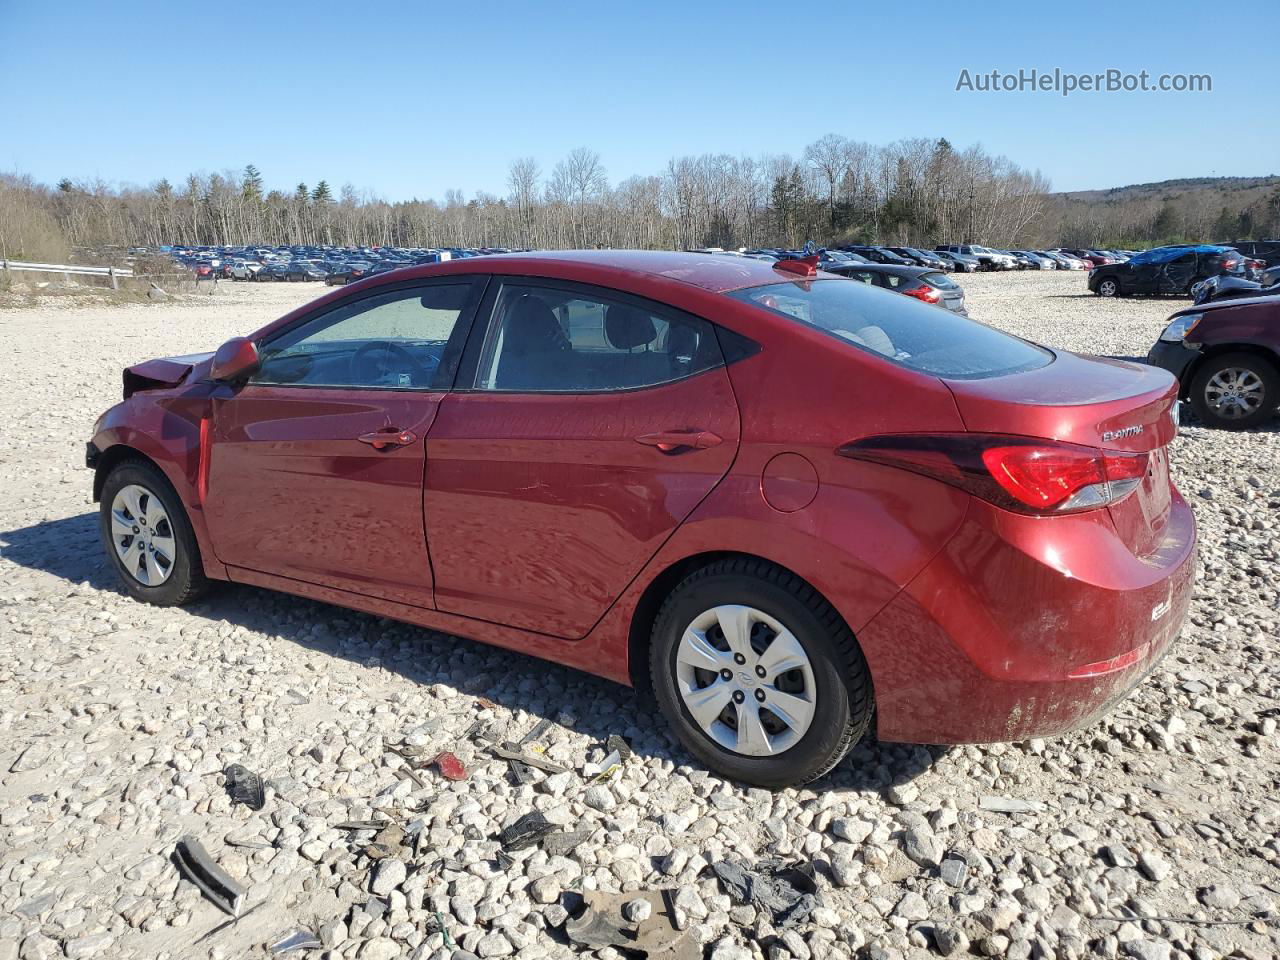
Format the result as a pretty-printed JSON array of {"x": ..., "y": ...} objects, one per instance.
[{"x": 788, "y": 502}]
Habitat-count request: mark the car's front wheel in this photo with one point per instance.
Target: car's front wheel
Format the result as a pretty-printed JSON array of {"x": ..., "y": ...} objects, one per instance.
[
  {"x": 148, "y": 538},
  {"x": 1235, "y": 391},
  {"x": 1108, "y": 288},
  {"x": 758, "y": 675}
]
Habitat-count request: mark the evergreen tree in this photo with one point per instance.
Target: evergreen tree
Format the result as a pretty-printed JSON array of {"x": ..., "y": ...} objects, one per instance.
[
  {"x": 252, "y": 188},
  {"x": 1164, "y": 229},
  {"x": 1224, "y": 227}
]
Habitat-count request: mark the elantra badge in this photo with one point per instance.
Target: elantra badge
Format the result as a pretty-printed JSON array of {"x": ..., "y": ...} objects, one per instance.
[{"x": 1121, "y": 433}]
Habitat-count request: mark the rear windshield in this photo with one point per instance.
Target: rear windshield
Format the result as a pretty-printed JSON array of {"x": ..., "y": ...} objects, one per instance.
[
  {"x": 919, "y": 336},
  {"x": 941, "y": 281}
]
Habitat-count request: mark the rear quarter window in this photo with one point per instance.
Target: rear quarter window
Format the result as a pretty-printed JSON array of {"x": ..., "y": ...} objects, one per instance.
[{"x": 901, "y": 330}]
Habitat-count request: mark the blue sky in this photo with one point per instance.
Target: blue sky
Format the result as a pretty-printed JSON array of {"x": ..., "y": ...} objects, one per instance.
[{"x": 410, "y": 99}]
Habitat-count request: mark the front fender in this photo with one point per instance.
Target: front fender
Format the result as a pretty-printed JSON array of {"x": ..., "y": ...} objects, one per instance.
[{"x": 166, "y": 429}]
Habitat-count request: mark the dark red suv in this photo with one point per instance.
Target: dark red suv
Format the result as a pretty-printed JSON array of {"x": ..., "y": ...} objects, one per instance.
[
  {"x": 1226, "y": 356},
  {"x": 787, "y": 501}
]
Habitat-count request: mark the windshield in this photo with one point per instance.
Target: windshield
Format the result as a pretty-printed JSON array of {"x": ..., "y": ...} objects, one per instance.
[{"x": 919, "y": 336}]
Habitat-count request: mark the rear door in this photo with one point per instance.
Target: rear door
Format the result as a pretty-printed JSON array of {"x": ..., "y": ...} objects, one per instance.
[
  {"x": 1176, "y": 276},
  {"x": 316, "y": 464},
  {"x": 592, "y": 425}
]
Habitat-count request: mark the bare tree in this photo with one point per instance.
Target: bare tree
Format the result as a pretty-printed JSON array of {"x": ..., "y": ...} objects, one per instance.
[
  {"x": 522, "y": 184},
  {"x": 829, "y": 157}
]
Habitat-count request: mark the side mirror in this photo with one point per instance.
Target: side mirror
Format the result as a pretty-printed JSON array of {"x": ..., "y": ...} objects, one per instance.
[{"x": 235, "y": 359}]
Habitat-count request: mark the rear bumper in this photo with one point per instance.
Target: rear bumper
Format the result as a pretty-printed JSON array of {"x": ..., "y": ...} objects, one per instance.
[
  {"x": 1014, "y": 632},
  {"x": 1173, "y": 357}
]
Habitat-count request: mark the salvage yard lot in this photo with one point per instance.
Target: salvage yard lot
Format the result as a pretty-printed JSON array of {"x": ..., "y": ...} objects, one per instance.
[{"x": 116, "y": 720}]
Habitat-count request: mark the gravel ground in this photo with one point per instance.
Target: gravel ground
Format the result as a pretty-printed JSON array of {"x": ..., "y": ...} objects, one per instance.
[{"x": 1152, "y": 835}]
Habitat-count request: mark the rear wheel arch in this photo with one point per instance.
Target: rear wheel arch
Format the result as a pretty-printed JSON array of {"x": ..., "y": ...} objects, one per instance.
[
  {"x": 646, "y": 612},
  {"x": 647, "y": 608},
  {"x": 832, "y": 672}
]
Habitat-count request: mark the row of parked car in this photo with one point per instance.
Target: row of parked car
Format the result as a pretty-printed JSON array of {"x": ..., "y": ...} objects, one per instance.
[
  {"x": 953, "y": 257},
  {"x": 300, "y": 262}
]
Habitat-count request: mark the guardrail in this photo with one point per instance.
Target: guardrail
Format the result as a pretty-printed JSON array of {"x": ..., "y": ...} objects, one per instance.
[{"x": 69, "y": 269}]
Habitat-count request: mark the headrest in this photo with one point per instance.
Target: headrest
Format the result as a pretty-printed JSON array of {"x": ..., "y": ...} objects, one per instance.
[
  {"x": 626, "y": 327},
  {"x": 532, "y": 325}
]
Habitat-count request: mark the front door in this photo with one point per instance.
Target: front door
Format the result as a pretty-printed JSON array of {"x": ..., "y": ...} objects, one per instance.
[
  {"x": 592, "y": 425},
  {"x": 316, "y": 463}
]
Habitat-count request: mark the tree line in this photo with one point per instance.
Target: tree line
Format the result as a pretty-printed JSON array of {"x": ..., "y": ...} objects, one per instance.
[
  {"x": 1142, "y": 215},
  {"x": 916, "y": 192}
]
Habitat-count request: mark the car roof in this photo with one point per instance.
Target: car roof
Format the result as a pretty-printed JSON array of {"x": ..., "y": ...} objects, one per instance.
[{"x": 710, "y": 271}]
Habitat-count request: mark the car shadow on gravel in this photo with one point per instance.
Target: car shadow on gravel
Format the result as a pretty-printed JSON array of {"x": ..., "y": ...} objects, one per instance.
[{"x": 69, "y": 548}]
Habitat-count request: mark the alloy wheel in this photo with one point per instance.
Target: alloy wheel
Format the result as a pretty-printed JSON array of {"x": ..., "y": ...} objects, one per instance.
[
  {"x": 142, "y": 535},
  {"x": 1234, "y": 393},
  {"x": 746, "y": 680}
]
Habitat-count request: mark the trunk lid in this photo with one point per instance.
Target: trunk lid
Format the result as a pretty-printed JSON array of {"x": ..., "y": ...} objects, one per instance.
[{"x": 1095, "y": 402}]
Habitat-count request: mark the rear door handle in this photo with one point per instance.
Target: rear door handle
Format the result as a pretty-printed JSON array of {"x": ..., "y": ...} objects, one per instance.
[
  {"x": 388, "y": 437},
  {"x": 674, "y": 441}
]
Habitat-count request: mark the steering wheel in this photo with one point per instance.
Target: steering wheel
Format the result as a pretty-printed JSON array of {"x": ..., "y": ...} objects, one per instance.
[{"x": 368, "y": 367}]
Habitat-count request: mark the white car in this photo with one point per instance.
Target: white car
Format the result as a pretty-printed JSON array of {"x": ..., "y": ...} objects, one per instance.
[
  {"x": 1073, "y": 262},
  {"x": 244, "y": 270}
]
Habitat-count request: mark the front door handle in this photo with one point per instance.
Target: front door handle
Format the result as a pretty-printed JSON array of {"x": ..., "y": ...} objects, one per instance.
[
  {"x": 388, "y": 437},
  {"x": 674, "y": 441}
]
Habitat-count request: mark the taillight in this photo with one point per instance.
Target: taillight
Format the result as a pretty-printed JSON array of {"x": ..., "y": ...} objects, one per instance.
[
  {"x": 1023, "y": 474},
  {"x": 924, "y": 292}
]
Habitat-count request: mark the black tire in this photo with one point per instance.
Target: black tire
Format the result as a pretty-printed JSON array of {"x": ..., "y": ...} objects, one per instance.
[
  {"x": 1256, "y": 364},
  {"x": 844, "y": 703},
  {"x": 186, "y": 580},
  {"x": 1108, "y": 287}
]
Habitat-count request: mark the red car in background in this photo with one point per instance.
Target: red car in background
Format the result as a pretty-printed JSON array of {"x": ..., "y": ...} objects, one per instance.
[
  {"x": 1226, "y": 356},
  {"x": 788, "y": 502}
]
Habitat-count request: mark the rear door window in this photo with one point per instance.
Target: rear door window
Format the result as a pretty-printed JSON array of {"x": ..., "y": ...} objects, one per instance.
[
  {"x": 899, "y": 329},
  {"x": 562, "y": 339}
]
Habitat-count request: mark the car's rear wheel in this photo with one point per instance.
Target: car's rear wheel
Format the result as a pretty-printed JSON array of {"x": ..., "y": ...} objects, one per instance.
[
  {"x": 1235, "y": 391},
  {"x": 758, "y": 675},
  {"x": 1108, "y": 288},
  {"x": 148, "y": 537}
]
